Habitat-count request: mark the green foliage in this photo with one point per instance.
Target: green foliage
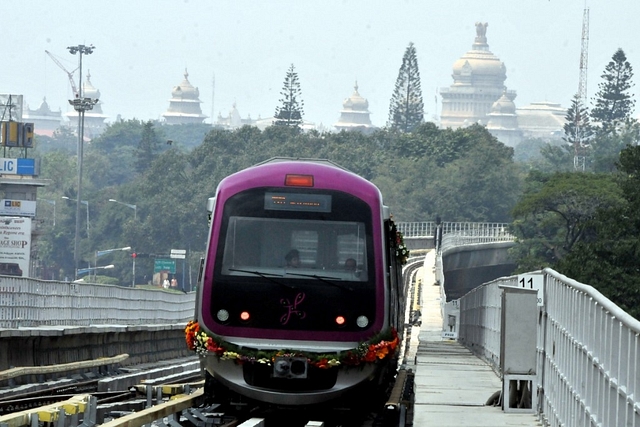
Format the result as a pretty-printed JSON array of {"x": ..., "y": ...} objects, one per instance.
[
  {"x": 556, "y": 158},
  {"x": 63, "y": 139},
  {"x": 407, "y": 108},
  {"x": 556, "y": 212},
  {"x": 462, "y": 175},
  {"x": 147, "y": 149},
  {"x": 614, "y": 104},
  {"x": 577, "y": 129},
  {"x": 290, "y": 112},
  {"x": 605, "y": 150},
  {"x": 609, "y": 260}
]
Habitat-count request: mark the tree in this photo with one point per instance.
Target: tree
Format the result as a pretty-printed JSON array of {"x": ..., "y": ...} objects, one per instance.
[
  {"x": 614, "y": 104},
  {"x": 291, "y": 111},
  {"x": 556, "y": 213},
  {"x": 609, "y": 261},
  {"x": 148, "y": 148},
  {"x": 577, "y": 128},
  {"x": 407, "y": 109}
]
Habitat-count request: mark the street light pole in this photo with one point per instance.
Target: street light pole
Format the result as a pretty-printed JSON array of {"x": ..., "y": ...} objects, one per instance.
[
  {"x": 134, "y": 207},
  {"x": 104, "y": 252},
  {"x": 80, "y": 271},
  {"x": 80, "y": 104}
]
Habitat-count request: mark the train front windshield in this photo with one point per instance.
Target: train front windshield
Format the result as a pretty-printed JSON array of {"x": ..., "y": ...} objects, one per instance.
[{"x": 296, "y": 235}]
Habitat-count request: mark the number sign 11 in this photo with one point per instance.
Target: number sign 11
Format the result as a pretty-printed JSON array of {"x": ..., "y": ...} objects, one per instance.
[{"x": 533, "y": 281}]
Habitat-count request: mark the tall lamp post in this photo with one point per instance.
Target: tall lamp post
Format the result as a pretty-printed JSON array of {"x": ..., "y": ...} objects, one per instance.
[
  {"x": 80, "y": 104},
  {"x": 134, "y": 207}
]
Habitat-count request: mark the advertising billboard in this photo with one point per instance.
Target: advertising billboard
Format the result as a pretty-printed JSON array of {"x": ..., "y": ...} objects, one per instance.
[{"x": 15, "y": 246}]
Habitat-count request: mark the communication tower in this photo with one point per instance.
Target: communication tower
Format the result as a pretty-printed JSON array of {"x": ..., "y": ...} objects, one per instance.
[{"x": 579, "y": 145}]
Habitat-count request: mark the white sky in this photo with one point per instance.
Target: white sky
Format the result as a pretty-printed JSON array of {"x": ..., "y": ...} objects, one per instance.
[{"x": 144, "y": 46}]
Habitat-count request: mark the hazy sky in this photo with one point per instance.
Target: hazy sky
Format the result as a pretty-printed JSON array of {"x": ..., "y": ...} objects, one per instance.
[{"x": 142, "y": 48}]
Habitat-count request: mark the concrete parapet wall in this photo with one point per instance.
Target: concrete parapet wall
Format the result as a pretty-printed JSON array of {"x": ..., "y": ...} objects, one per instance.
[
  {"x": 466, "y": 267},
  {"x": 59, "y": 345}
]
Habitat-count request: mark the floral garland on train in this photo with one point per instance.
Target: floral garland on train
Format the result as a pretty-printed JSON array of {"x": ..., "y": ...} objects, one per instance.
[
  {"x": 382, "y": 346},
  {"x": 397, "y": 241}
]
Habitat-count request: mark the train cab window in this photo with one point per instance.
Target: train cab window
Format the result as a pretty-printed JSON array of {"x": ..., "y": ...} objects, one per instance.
[{"x": 258, "y": 246}]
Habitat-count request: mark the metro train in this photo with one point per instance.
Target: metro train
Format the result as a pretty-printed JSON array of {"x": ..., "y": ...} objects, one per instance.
[{"x": 300, "y": 297}]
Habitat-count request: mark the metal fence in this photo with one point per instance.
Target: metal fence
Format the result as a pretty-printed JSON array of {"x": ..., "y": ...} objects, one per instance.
[
  {"x": 588, "y": 351},
  {"x": 26, "y": 302},
  {"x": 428, "y": 229}
]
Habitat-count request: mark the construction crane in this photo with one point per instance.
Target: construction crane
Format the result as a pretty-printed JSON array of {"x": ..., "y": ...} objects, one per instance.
[
  {"x": 69, "y": 73},
  {"x": 579, "y": 155}
]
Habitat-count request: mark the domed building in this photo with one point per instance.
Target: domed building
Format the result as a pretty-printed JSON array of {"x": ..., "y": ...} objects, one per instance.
[
  {"x": 94, "y": 118},
  {"x": 184, "y": 105},
  {"x": 479, "y": 95},
  {"x": 478, "y": 82},
  {"x": 354, "y": 115},
  {"x": 503, "y": 121}
]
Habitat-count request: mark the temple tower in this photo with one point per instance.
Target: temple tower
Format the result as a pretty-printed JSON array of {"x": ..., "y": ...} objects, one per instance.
[{"x": 184, "y": 105}]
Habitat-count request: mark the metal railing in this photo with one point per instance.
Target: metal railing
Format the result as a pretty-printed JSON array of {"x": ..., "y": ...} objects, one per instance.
[
  {"x": 26, "y": 302},
  {"x": 588, "y": 350},
  {"x": 428, "y": 228}
]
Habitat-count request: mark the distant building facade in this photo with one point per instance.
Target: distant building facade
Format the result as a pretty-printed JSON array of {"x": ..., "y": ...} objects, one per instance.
[
  {"x": 355, "y": 115},
  {"x": 184, "y": 105},
  {"x": 478, "y": 95},
  {"x": 544, "y": 120},
  {"x": 233, "y": 120},
  {"x": 45, "y": 121}
]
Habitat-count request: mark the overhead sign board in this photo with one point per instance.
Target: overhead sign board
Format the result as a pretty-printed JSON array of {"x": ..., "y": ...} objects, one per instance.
[
  {"x": 178, "y": 253},
  {"x": 164, "y": 265}
]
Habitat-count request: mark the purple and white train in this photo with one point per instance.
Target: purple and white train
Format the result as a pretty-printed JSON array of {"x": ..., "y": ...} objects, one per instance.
[{"x": 305, "y": 331}]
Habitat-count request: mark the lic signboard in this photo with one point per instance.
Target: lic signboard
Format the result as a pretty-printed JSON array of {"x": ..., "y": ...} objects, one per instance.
[
  {"x": 9, "y": 207},
  {"x": 18, "y": 167}
]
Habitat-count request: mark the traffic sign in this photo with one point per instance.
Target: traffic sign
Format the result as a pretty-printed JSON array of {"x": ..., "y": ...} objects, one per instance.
[
  {"x": 164, "y": 265},
  {"x": 178, "y": 253}
]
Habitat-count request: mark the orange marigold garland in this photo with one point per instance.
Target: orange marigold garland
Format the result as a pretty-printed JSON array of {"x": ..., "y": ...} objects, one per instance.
[{"x": 380, "y": 347}]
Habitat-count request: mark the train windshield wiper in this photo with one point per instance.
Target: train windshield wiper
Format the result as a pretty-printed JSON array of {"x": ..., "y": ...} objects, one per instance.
[
  {"x": 264, "y": 276},
  {"x": 324, "y": 279}
]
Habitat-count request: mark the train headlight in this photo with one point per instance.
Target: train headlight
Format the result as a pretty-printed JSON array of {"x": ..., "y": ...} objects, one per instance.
[
  {"x": 245, "y": 316},
  {"x": 222, "y": 315},
  {"x": 340, "y": 320},
  {"x": 362, "y": 321}
]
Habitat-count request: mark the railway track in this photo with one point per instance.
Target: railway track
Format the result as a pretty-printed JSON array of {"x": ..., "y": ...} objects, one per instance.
[{"x": 136, "y": 399}]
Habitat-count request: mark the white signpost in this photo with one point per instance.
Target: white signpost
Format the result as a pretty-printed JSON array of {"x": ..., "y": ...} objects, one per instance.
[{"x": 533, "y": 281}]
